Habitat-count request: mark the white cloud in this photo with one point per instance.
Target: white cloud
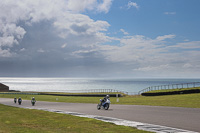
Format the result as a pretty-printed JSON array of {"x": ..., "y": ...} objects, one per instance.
[
  {"x": 65, "y": 15},
  {"x": 136, "y": 49},
  {"x": 104, "y": 6},
  {"x": 8, "y": 41},
  {"x": 40, "y": 50},
  {"x": 5, "y": 53},
  {"x": 160, "y": 38},
  {"x": 132, "y": 4},
  {"x": 124, "y": 32},
  {"x": 79, "y": 24},
  {"x": 13, "y": 30},
  {"x": 83, "y": 36},
  {"x": 82, "y": 5},
  {"x": 156, "y": 56},
  {"x": 153, "y": 68},
  {"x": 64, "y": 45},
  {"x": 23, "y": 49},
  {"x": 170, "y": 13},
  {"x": 187, "y": 45},
  {"x": 187, "y": 65},
  {"x": 11, "y": 34}
]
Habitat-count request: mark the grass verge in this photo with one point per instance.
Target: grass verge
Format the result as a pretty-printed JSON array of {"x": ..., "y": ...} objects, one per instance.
[
  {"x": 184, "y": 100},
  {"x": 14, "y": 120},
  {"x": 181, "y": 100}
]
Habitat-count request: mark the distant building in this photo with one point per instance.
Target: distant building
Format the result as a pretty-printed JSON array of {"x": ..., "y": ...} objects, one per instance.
[{"x": 3, "y": 88}]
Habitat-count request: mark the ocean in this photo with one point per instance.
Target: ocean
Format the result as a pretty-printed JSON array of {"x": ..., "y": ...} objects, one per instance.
[{"x": 132, "y": 86}]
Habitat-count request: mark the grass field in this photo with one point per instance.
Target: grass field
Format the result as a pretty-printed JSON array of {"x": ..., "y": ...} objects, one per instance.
[
  {"x": 185, "y": 100},
  {"x": 15, "y": 120},
  {"x": 19, "y": 120}
]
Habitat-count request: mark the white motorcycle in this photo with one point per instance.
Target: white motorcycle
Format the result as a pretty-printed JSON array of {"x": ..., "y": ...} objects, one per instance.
[{"x": 105, "y": 104}]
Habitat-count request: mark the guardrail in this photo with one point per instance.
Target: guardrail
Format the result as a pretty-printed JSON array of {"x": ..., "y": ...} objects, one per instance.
[
  {"x": 171, "y": 86},
  {"x": 97, "y": 91},
  {"x": 132, "y": 93},
  {"x": 23, "y": 93},
  {"x": 78, "y": 91},
  {"x": 73, "y": 91}
]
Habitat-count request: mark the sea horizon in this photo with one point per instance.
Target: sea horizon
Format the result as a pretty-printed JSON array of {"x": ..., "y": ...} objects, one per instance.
[{"x": 66, "y": 84}]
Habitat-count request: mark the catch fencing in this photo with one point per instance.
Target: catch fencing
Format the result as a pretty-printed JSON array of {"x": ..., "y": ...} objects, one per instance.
[{"x": 171, "y": 86}]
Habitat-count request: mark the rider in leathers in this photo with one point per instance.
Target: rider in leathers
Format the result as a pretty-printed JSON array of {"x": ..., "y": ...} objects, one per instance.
[
  {"x": 33, "y": 99},
  {"x": 105, "y": 99}
]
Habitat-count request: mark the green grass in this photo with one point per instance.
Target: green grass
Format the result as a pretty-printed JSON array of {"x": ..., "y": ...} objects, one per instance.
[
  {"x": 15, "y": 120},
  {"x": 12, "y": 120},
  {"x": 184, "y": 100},
  {"x": 69, "y": 99}
]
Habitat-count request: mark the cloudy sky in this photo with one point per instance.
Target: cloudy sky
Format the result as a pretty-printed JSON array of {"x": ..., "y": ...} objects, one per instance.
[{"x": 100, "y": 38}]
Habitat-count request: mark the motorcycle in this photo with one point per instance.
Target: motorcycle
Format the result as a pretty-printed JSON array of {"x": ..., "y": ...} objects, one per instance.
[
  {"x": 15, "y": 100},
  {"x": 33, "y": 102},
  {"x": 105, "y": 104},
  {"x": 20, "y": 101}
]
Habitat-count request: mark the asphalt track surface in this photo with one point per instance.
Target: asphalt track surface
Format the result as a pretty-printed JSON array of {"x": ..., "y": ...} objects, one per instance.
[{"x": 176, "y": 117}]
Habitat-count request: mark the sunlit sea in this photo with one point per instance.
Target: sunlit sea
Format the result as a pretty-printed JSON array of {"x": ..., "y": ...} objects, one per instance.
[{"x": 80, "y": 84}]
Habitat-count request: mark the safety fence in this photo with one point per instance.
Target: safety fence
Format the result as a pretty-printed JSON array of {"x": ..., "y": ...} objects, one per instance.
[
  {"x": 21, "y": 93},
  {"x": 171, "y": 86},
  {"x": 97, "y": 91},
  {"x": 72, "y": 91}
]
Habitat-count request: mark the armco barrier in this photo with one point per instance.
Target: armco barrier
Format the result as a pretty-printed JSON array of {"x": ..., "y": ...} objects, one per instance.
[
  {"x": 82, "y": 95},
  {"x": 85, "y": 95},
  {"x": 21, "y": 93}
]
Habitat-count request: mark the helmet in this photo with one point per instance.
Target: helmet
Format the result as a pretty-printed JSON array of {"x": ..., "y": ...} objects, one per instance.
[{"x": 107, "y": 96}]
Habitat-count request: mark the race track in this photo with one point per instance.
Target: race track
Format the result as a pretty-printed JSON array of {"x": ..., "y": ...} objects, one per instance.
[{"x": 182, "y": 118}]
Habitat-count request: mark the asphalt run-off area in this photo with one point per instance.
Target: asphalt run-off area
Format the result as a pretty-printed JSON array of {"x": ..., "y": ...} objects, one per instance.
[{"x": 151, "y": 118}]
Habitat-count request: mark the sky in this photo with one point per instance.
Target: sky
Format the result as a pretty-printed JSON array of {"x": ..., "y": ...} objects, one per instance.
[{"x": 100, "y": 38}]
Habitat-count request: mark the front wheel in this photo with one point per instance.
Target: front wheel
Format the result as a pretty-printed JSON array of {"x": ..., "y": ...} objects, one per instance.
[
  {"x": 98, "y": 106},
  {"x": 106, "y": 107}
]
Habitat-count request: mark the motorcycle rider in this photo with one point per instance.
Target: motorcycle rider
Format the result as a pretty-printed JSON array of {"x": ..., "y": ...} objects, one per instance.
[
  {"x": 15, "y": 100},
  {"x": 33, "y": 100},
  {"x": 105, "y": 99},
  {"x": 19, "y": 100}
]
